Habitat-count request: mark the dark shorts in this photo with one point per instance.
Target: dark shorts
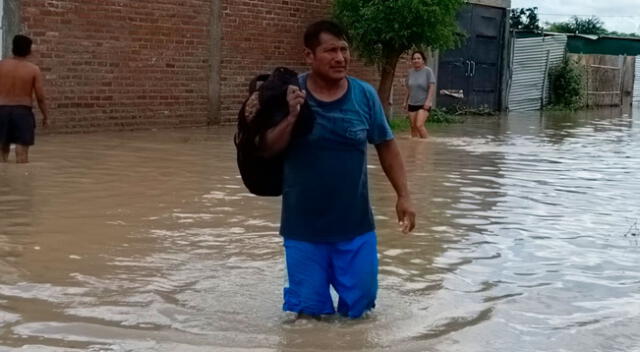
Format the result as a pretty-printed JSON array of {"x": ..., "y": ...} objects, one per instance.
[
  {"x": 414, "y": 108},
  {"x": 17, "y": 125}
]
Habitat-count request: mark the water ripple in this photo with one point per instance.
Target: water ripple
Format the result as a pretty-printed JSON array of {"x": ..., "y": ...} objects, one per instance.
[{"x": 149, "y": 242}]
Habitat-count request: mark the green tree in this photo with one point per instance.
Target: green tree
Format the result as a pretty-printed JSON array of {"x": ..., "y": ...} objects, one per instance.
[
  {"x": 525, "y": 19},
  {"x": 591, "y": 25},
  {"x": 381, "y": 31},
  {"x": 560, "y": 27},
  {"x": 627, "y": 35},
  {"x": 567, "y": 90}
]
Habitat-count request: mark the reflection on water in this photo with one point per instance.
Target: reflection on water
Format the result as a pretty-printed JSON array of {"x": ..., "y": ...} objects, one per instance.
[{"x": 146, "y": 241}]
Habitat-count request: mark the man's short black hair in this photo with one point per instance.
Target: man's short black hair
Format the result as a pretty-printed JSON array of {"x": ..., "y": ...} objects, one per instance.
[
  {"x": 312, "y": 34},
  {"x": 21, "y": 45}
]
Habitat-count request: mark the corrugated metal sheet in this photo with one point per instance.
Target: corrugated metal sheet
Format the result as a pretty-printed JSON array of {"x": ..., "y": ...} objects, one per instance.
[
  {"x": 636, "y": 83},
  {"x": 531, "y": 60}
]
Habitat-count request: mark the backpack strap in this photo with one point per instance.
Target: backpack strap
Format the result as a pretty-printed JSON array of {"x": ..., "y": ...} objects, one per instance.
[{"x": 253, "y": 85}]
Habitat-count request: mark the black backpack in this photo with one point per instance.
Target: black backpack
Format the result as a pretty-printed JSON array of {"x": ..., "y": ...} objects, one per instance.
[{"x": 265, "y": 107}]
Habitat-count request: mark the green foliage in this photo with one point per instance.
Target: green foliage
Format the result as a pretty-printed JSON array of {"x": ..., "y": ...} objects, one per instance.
[
  {"x": 567, "y": 89},
  {"x": 619, "y": 34},
  {"x": 525, "y": 19},
  {"x": 443, "y": 116},
  {"x": 592, "y": 25},
  {"x": 560, "y": 27},
  {"x": 437, "y": 116},
  {"x": 462, "y": 110},
  {"x": 399, "y": 123},
  {"x": 384, "y": 29}
]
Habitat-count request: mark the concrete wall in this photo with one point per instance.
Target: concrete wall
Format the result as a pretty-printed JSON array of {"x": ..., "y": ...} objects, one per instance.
[
  {"x": 10, "y": 24},
  {"x": 215, "y": 63}
]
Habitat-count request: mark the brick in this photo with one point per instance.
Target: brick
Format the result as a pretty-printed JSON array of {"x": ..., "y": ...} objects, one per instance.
[
  {"x": 146, "y": 63},
  {"x": 98, "y": 46}
]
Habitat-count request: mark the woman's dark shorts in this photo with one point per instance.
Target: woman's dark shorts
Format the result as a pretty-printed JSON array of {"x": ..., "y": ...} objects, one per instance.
[
  {"x": 414, "y": 108},
  {"x": 17, "y": 125}
]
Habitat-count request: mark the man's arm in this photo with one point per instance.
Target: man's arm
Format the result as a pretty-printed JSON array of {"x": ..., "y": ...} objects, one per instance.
[
  {"x": 393, "y": 166},
  {"x": 276, "y": 139},
  {"x": 42, "y": 103}
]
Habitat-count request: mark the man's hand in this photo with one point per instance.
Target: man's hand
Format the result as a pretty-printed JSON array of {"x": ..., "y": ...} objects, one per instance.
[
  {"x": 277, "y": 138},
  {"x": 427, "y": 106},
  {"x": 406, "y": 214},
  {"x": 45, "y": 122},
  {"x": 295, "y": 97}
]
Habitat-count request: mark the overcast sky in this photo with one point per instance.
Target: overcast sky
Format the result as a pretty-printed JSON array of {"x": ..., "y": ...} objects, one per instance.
[{"x": 617, "y": 15}]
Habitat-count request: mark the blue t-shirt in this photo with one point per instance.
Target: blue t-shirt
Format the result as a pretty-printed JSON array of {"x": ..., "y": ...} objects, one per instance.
[{"x": 325, "y": 193}]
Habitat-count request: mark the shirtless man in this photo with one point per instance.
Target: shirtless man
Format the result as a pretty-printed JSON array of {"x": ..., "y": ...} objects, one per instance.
[{"x": 19, "y": 79}]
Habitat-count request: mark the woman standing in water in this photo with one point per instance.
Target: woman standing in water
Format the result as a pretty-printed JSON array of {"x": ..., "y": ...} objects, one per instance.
[{"x": 421, "y": 84}]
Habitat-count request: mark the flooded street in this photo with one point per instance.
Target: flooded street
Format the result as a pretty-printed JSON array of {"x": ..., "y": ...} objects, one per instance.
[{"x": 528, "y": 239}]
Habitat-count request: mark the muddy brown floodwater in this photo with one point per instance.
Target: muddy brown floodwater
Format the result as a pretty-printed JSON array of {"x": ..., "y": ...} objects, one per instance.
[{"x": 527, "y": 240}]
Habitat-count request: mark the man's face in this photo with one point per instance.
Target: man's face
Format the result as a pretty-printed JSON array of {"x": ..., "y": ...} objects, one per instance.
[{"x": 330, "y": 60}]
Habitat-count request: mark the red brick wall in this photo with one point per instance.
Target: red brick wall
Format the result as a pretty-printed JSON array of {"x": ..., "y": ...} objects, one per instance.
[
  {"x": 121, "y": 65},
  {"x": 113, "y": 64},
  {"x": 260, "y": 35}
]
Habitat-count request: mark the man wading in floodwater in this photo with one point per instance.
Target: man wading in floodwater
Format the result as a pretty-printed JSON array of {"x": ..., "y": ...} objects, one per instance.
[
  {"x": 19, "y": 79},
  {"x": 327, "y": 222}
]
